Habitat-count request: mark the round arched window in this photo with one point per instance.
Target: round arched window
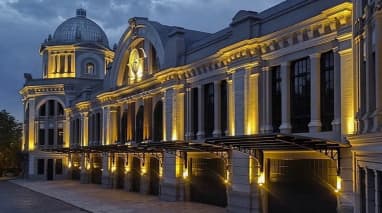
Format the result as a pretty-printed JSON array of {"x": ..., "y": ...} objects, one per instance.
[{"x": 89, "y": 68}]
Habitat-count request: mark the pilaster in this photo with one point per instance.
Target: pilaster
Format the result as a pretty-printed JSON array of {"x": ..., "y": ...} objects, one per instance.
[
  {"x": 315, "y": 98},
  {"x": 217, "y": 109},
  {"x": 285, "y": 98}
]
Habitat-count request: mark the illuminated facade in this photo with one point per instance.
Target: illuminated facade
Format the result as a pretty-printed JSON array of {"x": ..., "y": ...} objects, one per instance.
[{"x": 265, "y": 108}]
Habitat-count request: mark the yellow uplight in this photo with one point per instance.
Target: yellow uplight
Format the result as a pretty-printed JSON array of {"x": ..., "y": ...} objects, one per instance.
[
  {"x": 185, "y": 174},
  {"x": 261, "y": 179},
  {"x": 70, "y": 165},
  {"x": 338, "y": 185}
]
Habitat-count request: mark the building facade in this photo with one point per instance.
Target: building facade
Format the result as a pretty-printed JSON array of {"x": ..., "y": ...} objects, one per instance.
[{"x": 277, "y": 112}]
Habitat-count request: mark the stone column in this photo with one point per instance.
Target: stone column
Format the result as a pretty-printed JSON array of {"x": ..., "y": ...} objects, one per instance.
[
  {"x": 105, "y": 125},
  {"x": 85, "y": 173},
  {"x": 217, "y": 107},
  {"x": 268, "y": 128},
  {"x": 346, "y": 195},
  {"x": 179, "y": 114},
  {"x": 31, "y": 125},
  {"x": 128, "y": 165},
  {"x": 85, "y": 129},
  {"x": 107, "y": 181},
  {"x": 347, "y": 92},
  {"x": 285, "y": 98},
  {"x": 377, "y": 115},
  {"x": 244, "y": 193},
  {"x": 170, "y": 190},
  {"x": 200, "y": 134},
  {"x": 231, "y": 108},
  {"x": 377, "y": 193},
  {"x": 145, "y": 178},
  {"x": 252, "y": 104},
  {"x": 315, "y": 102},
  {"x": 168, "y": 113},
  {"x": 113, "y": 124},
  {"x": 336, "y": 123},
  {"x": 66, "y": 63},
  {"x": 240, "y": 85}
]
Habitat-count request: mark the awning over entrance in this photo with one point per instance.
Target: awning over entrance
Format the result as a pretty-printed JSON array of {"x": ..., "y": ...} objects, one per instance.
[
  {"x": 152, "y": 147},
  {"x": 254, "y": 144}
]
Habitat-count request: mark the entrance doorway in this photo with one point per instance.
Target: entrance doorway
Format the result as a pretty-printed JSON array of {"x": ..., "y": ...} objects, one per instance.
[
  {"x": 136, "y": 175},
  {"x": 120, "y": 173},
  {"x": 154, "y": 176},
  {"x": 96, "y": 172},
  {"x": 50, "y": 166},
  {"x": 207, "y": 181},
  {"x": 301, "y": 186}
]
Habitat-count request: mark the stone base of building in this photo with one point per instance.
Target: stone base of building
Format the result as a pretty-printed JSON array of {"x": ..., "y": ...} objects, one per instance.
[
  {"x": 345, "y": 209},
  {"x": 169, "y": 192},
  {"x": 84, "y": 178},
  {"x": 242, "y": 202},
  {"x": 145, "y": 184},
  {"x": 107, "y": 181}
]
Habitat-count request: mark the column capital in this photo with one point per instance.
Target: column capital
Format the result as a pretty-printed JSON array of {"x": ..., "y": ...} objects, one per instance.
[
  {"x": 315, "y": 55},
  {"x": 265, "y": 68}
]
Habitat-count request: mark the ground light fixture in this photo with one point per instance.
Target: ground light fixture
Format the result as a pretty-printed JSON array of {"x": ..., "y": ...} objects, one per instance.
[
  {"x": 261, "y": 179},
  {"x": 338, "y": 184}
]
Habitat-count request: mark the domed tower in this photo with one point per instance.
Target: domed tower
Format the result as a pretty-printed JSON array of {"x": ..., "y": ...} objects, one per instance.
[{"x": 79, "y": 48}]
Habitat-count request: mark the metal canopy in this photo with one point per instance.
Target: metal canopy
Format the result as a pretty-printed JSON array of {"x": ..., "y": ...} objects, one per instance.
[
  {"x": 254, "y": 144},
  {"x": 151, "y": 147}
]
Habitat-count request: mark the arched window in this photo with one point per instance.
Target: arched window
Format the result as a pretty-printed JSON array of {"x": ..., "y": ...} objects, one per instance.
[{"x": 90, "y": 68}]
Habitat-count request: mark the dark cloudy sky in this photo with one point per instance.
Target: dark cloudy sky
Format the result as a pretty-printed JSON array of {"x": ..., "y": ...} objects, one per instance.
[{"x": 24, "y": 24}]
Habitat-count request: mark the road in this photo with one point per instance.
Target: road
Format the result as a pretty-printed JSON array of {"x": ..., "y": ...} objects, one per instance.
[{"x": 16, "y": 199}]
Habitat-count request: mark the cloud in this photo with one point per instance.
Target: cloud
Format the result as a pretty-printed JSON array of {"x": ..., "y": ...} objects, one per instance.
[{"x": 24, "y": 24}]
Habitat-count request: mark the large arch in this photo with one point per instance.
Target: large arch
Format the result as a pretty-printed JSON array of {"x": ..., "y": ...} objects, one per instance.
[{"x": 140, "y": 28}]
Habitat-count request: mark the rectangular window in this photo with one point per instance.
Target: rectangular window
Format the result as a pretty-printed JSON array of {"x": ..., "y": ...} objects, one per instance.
[
  {"x": 209, "y": 109},
  {"x": 62, "y": 63},
  {"x": 60, "y": 136},
  {"x": 50, "y": 136},
  {"x": 58, "y": 167},
  {"x": 41, "y": 137},
  {"x": 276, "y": 98},
  {"x": 40, "y": 166},
  {"x": 300, "y": 95},
  {"x": 327, "y": 90},
  {"x": 69, "y": 63}
]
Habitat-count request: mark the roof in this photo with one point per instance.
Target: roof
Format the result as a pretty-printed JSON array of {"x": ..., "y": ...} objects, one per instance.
[{"x": 79, "y": 29}]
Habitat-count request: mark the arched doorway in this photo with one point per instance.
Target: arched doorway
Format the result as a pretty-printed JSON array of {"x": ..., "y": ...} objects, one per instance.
[
  {"x": 135, "y": 175},
  {"x": 158, "y": 122},
  {"x": 154, "y": 176},
  {"x": 139, "y": 125},
  {"x": 207, "y": 181}
]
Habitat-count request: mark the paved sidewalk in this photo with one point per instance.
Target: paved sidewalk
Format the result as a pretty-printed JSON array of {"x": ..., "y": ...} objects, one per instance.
[{"x": 96, "y": 199}]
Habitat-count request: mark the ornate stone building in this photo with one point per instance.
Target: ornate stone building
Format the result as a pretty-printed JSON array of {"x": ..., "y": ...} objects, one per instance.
[{"x": 278, "y": 112}]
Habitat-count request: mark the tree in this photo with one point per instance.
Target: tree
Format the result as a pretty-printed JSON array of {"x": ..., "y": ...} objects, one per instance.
[{"x": 10, "y": 142}]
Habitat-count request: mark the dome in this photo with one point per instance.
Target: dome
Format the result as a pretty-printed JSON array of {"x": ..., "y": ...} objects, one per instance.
[{"x": 79, "y": 29}]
